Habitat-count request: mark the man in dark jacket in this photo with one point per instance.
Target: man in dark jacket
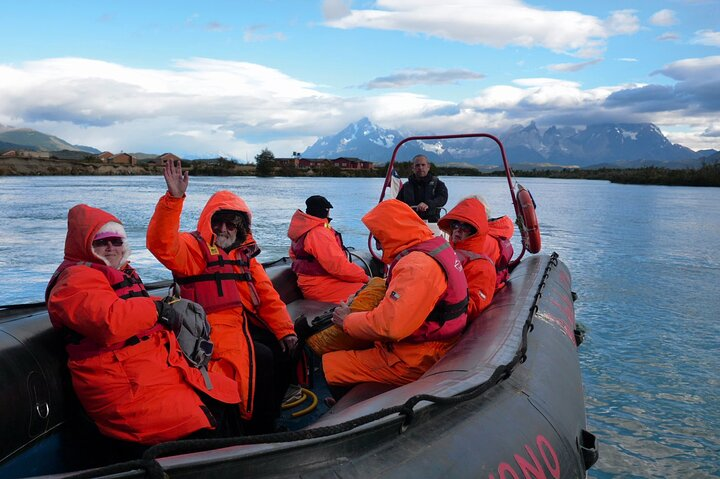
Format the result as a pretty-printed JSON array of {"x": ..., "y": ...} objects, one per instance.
[{"x": 423, "y": 192}]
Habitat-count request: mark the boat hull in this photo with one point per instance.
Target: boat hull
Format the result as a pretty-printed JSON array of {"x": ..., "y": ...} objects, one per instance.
[{"x": 507, "y": 401}]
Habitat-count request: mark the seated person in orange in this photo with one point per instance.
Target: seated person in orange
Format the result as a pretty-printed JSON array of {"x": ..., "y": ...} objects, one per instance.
[
  {"x": 319, "y": 257},
  {"x": 127, "y": 369},
  {"x": 215, "y": 266},
  {"x": 498, "y": 246},
  {"x": 467, "y": 227},
  {"x": 421, "y": 315}
]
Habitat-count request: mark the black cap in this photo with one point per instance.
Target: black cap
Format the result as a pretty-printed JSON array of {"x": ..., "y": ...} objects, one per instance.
[{"x": 318, "y": 206}]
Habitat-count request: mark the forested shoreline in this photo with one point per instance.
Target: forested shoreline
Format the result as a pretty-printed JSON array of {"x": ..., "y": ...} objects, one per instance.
[{"x": 706, "y": 175}]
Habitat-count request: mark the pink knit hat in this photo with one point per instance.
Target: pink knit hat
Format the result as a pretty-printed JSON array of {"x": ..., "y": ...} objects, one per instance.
[
  {"x": 113, "y": 230},
  {"x": 110, "y": 230}
]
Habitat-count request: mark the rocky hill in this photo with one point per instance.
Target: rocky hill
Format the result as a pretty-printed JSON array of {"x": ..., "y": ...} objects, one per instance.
[{"x": 26, "y": 138}]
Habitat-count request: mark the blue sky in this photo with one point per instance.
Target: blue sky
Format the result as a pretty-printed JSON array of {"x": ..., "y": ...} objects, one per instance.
[{"x": 230, "y": 78}]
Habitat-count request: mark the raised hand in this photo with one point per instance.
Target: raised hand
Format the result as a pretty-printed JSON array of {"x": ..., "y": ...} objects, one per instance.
[{"x": 177, "y": 181}]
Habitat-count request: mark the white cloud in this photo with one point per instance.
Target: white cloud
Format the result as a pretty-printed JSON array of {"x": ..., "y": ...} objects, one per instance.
[
  {"x": 541, "y": 95},
  {"x": 663, "y": 18},
  {"x": 573, "y": 67},
  {"x": 695, "y": 136},
  {"x": 497, "y": 24},
  {"x": 255, "y": 34},
  {"x": 207, "y": 107},
  {"x": 333, "y": 9},
  {"x": 713, "y": 131},
  {"x": 422, "y": 76},
  {"x": 217, "y": 27},
  {"x": 622, "y": 22},
  {"x": 707, "y": 37},
  {"x": 220, "y": 101},
  {"x": 694, "y": 69},
  {"x": 668, "y": 36}
]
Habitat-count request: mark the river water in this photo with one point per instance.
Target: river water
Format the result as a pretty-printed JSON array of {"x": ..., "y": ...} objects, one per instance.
[{"x": 645, "y": 263}]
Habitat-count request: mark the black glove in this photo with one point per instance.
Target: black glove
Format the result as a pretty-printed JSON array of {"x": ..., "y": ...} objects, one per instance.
[
  {"x": 168, "y": 315},
  {"x": 302, "y": 327}
]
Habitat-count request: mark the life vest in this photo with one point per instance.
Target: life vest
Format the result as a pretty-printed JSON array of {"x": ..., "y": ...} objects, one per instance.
[
  {"x": 127, "y": 284},
  {"x": 214, "y": 288},
  {"x": 304, "y": 262},
  {"x": 502, "y": 268},
  {"x": 466, "y": 256},
  {"x": 449, "y": 316},
  {"x": 502, "y": 272}
]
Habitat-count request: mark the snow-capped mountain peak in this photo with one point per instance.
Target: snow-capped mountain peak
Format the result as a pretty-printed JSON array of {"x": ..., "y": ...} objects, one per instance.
[{"x": 559, "y": 145}]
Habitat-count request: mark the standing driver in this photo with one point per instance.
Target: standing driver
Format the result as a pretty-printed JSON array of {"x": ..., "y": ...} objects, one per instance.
[{"x": 423, "y": 192}]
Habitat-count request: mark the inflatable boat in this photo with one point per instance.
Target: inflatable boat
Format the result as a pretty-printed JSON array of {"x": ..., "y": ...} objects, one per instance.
[{"x": 506, "y": 401}]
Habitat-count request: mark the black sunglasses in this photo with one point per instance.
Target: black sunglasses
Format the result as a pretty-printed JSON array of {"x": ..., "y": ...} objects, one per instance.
[
  {"x": 463, "y": 226},
  {"x": 230, "y": 225},
  {"x": 108, "y": 241}
]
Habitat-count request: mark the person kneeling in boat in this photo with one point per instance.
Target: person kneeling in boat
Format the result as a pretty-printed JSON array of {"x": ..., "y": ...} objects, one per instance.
[
  {"x": 320, "y": 259},
  {"x": 215, "y": 266},
  {"x": 467, "y": 227},
  {"x": 127, "y": 367},
  {"x": 421, "y": 315}
]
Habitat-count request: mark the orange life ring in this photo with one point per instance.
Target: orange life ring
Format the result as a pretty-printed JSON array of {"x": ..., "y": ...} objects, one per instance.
[{"x": 531, "y": 229}]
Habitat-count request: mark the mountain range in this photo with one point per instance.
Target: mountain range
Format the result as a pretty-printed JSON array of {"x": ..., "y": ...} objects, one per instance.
[
  {"x": 604, "y": 145},
  {"x": 615, "y": 145}
]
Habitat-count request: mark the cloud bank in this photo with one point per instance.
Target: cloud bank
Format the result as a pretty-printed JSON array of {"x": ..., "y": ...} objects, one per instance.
[
  {"x": 207, "y": 107},
  {"x": 491, "y": 23}
]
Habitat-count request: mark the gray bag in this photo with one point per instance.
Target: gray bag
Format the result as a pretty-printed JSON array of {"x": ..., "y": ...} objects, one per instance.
[{"x": 193, "y": 333}]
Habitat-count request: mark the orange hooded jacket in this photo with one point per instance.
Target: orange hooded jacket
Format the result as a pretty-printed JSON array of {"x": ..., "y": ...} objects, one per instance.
[
  {"x": 142, "y": 393},
  {"x": 418, "y": 282},
  {"x": 480, "y": 273},
  {"x": 181, "y": 253},
  {"x": 345, "y": 278},
  {"x": 502, "y": 227}
]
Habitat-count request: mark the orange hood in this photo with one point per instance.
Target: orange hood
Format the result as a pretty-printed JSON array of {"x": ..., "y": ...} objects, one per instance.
[
  {"x": 84, "y": 222},
  {"x": 470, "y": 211},
  {"x": 223, "y": 200},
  {"x": 301, "y": 223},
  {"x": 397, "y": 227},
  {"x": 502, "y": 227}
]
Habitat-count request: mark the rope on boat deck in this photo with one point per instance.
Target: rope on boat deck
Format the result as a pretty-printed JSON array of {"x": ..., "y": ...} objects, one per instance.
[
  {"x": 306, "y": 393},
  {"x": 154, "y": 470}
]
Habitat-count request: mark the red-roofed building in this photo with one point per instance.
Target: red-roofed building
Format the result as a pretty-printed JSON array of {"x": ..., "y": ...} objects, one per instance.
[
  {"x": 123, "y": 159},
  {"x": 105, "y": 156},
  {"x": 342, "y": 163},
  {"x": 352, "y": 163},
  {"x": 164, "y": 158}
]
